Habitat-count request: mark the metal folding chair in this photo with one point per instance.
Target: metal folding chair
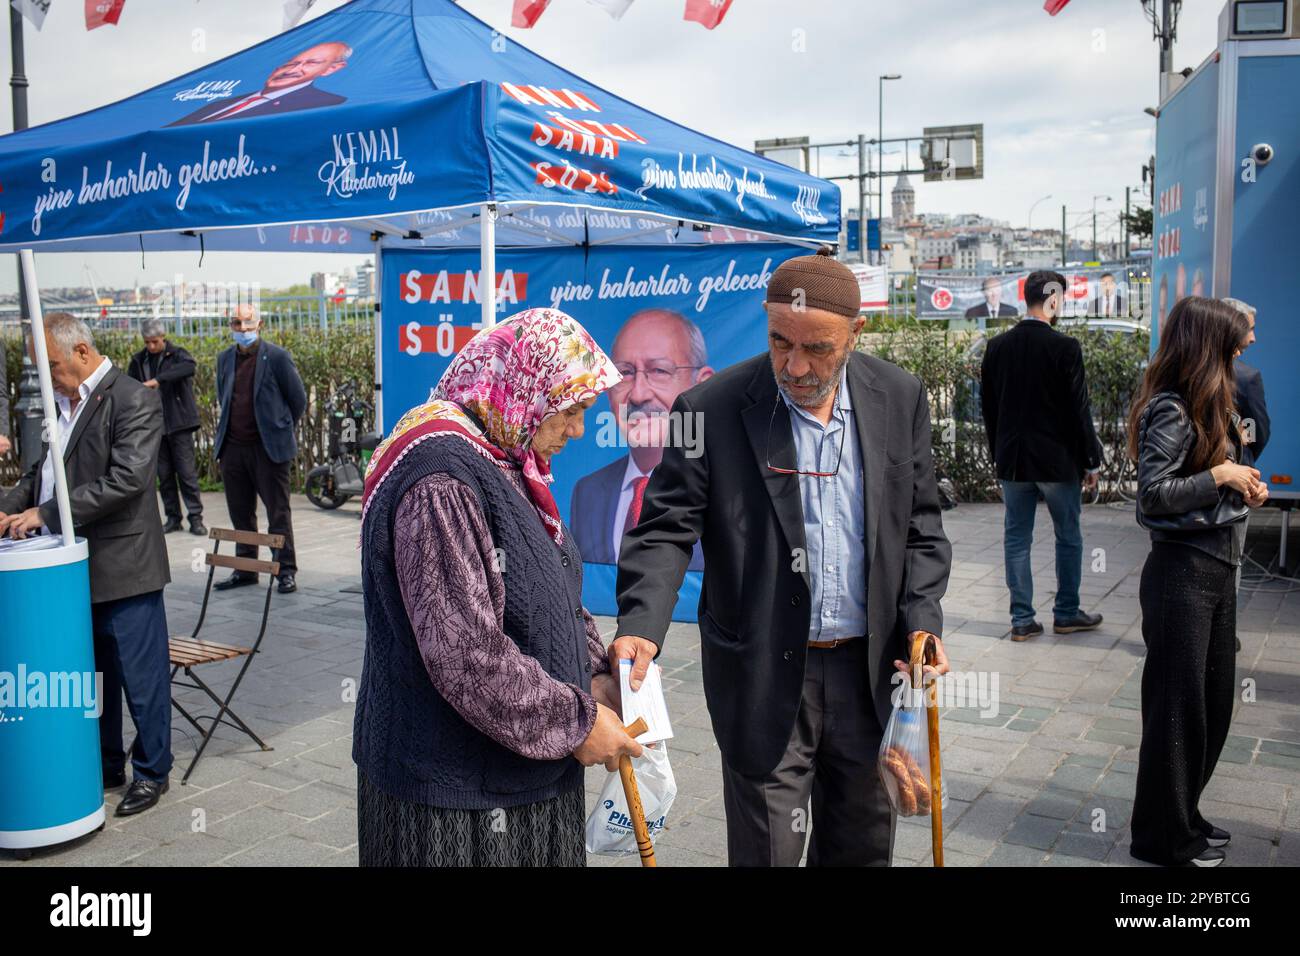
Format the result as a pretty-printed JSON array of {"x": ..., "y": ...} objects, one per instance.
[{"x": 186, "y": 653}]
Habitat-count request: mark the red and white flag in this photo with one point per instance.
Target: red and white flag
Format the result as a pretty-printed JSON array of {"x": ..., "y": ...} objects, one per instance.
[
  {"x": 615, "y": 8},
  {"x": 102, "y": 12},
  {"x": 707, "y": 13},
  {"x": 1053, "y": 7},
  {"x": 527, "y": 12},
  {"x": 294, "y": 11},
  {"x": 33, "y": 10}
]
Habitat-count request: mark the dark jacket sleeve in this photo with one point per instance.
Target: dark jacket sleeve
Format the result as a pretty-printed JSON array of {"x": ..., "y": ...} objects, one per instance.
[
  {"x": 1089, "y": 447},
  {"x": 989, "y": 386},
  {"x": 1162, "y": 451},
  {"x": 656, "y": 553},
  {"x": 23, "y": 495},
  {"x": 182, "y": 366},
  {"x": 1251, "y": 405},
  {"x": 929, "y": 555},
  {"x": 135, "y": 367},
  {"x": 132, "y": 461},
  {"x": 291, "y": 387}
]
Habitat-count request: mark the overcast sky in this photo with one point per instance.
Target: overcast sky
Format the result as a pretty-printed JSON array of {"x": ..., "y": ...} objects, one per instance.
[{"x": 1061, "y": 98}]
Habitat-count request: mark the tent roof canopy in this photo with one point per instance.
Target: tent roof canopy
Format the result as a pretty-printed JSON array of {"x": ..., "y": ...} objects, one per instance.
[{"x": 395, "y": 119}]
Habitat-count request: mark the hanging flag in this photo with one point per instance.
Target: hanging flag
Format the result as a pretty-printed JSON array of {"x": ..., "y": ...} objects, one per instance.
[
  {"x": 294, "y": 11},
  {"x": 615, "y": 8},
  {"x": 527, "y": 12},
  {"x": 101, "y": 12},
  {"x": 1053, "y": 7},
  {"x": 33, "y": 10},
  {"x": 708, "y": 13}
]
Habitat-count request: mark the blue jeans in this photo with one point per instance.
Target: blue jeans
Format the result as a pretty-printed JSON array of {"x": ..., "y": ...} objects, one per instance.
[{"x": 1064, "y": 504}]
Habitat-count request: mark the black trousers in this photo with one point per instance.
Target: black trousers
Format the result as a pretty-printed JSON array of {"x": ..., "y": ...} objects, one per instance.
[
  {"x": 176, "y": 468},
  {"x": 131, "y": 652},
  {"x": 1189, "y": 623},
  {"x": 830, "y": 761},
  {"x": 248, "y": 475}
]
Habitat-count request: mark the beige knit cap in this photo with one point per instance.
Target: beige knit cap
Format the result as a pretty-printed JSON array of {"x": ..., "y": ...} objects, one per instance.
[{"x": 825, "y": 283}]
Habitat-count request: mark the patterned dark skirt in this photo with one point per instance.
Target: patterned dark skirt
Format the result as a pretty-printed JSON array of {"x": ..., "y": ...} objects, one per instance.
[{"x": 393, "y": 832}]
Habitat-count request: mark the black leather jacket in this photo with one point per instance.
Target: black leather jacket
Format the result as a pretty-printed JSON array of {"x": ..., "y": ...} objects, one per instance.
[{"x": 1173, "y": 503}]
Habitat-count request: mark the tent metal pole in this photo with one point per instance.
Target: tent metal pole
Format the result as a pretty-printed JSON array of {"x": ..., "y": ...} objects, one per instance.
[
  {"x": 377, "y": 292},
  {"x": 487, "y": 279},
  {"x": 33, "y": 293}
]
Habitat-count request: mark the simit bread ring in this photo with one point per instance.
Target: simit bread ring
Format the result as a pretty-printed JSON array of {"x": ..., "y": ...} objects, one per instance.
[{"x": 897, "y": 767}]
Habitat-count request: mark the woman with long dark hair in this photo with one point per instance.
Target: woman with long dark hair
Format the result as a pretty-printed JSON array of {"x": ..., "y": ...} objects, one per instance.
[{"x": 1193, "y": 497}]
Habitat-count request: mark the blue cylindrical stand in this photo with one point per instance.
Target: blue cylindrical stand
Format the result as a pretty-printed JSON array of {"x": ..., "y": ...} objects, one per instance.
[{"x": 50, "y": 698}]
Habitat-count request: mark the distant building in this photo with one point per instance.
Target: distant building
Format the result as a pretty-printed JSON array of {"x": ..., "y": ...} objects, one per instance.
[{"x": 903, "y": 199}]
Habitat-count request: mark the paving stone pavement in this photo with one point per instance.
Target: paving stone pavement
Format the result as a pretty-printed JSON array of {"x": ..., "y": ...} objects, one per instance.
[{"x": 1044, "y": 777}]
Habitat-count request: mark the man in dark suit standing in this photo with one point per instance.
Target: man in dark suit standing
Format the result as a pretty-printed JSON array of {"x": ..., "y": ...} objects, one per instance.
[
  {"x": 289, "y": 88},
  {"x": 110, "y": 427},
  {"x": 992, "y": 307},
  {"x": 170, "y": 369},
  {"x": 1109, "y": 301},
  {"x": 816, "y": 504},
  {"x": 262, "y": 398},
  {"x": 1039, "y": 423},
  {"x": 1250, "y": 393}
]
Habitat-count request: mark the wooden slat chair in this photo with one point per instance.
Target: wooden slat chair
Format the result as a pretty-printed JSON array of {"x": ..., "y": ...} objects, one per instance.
[{"x": 186, "y": 653}]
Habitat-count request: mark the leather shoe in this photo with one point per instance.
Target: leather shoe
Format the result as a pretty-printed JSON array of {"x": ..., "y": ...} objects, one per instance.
[
  {"x": 196, "y": 527},
  {"x": 237, "y": 579},
  {"x": 140, "y": 796},
  {"x": 287, "y": 584},
  {"x": 1023, "y": 632},
  {"x": 114, "y": 780},
  {"x": 1083, "y": 621},
  {"x": 173, "y": 524}
]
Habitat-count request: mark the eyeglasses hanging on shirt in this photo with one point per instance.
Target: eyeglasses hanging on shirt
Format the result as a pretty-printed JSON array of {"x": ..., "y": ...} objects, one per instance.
[{"x": 795, "y": 471}]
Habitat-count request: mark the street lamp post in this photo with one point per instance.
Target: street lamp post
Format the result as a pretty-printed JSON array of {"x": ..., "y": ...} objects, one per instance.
[
  {"x": 28, "y": 407},
  {"x": 1095, "y": 257},
  {"x": 880, "y": 143},
  {"x": 1030, "y": 218}
]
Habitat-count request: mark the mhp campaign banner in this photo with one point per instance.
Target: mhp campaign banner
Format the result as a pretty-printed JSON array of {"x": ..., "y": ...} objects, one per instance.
[{"x": 669, "y": 317}]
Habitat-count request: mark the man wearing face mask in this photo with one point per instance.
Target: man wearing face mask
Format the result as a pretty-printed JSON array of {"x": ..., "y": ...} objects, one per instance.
[{"x": 262, "y": 398}]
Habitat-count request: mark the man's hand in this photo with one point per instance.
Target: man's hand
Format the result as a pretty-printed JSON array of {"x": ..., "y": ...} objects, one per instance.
[
  {"x": 22, "y": 524},
  {"x": 1090, "y": 481},
  {"x": 635, "y": 649},
  {"x": 152, "y": 383},
  {"x": 606, "y": 690},
  {"x": 937, "y": 669},
  {"x": 5, "y": 444},
  {"x": 607, "y": 742}
]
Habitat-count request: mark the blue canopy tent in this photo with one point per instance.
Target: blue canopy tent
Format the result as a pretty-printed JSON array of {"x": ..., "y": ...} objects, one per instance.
[{"x": 390, "y": 123}]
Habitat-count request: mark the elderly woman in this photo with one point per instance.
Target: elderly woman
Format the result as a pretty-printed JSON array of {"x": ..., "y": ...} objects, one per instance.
[{"x": 485, "y": 688}]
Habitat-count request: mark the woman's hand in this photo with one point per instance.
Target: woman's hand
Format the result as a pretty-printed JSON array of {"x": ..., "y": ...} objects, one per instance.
[
  {"x": 1238, "y": 477},
  {"x": 607, "y": 741},
  {"x": 1259, "y": 497}
]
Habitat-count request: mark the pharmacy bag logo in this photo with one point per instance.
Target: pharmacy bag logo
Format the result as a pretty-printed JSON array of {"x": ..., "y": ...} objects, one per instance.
[
  {"x": 806, "y": 206},
  {"x": 620, "y": 822}
]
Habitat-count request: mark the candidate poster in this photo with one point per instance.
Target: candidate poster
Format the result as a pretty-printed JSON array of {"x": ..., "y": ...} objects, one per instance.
[
  {"x": 1090, "y": 293},
  {"x": 669, "y": 317}
]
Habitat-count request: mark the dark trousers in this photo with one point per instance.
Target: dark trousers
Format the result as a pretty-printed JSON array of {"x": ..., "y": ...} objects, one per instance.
[
  {"x": 1189, "y": 623},
  {"x": 176, "y": 468},
  {"x": 248, "y": 475},
  {"x": 830, "y": 761},
  {"x": 131, "y": 653}
]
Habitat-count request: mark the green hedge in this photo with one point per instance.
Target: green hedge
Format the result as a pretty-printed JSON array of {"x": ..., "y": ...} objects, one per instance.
[
  {"x": 943, "y": 360},
  {"x": 325, "y": 361}
]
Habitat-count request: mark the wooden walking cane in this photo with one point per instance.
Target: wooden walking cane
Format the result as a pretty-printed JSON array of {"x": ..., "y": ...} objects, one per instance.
[
  {"x": 923, "y": 653},
  {"x": 634, "y": 808}
]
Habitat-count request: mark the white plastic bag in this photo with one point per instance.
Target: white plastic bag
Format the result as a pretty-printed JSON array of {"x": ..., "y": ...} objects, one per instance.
[
  {"x": 609, "y": 828},
  {"x": 904, "y": 760}
]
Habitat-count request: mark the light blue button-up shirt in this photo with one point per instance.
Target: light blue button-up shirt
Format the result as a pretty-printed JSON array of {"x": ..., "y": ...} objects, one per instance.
[{"x": 834, "y": 518}]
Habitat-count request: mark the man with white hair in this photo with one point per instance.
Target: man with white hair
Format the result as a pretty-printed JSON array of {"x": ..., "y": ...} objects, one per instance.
[
  {"x": 169, "y": 368},
  {"x": 1250, "y": 393},
  {"x": 109, "y": 426}
]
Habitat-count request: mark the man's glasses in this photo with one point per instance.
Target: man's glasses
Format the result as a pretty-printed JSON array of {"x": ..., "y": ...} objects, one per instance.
[
  {"x": 795, "y": 471},
  {"x": 657, "y": 374}
]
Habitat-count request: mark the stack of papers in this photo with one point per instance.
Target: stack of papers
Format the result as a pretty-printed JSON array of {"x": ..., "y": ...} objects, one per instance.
[{"x": 648, "y": 702}]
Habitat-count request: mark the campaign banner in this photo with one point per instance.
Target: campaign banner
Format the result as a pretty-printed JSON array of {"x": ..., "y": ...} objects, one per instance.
[
  {"x": 874, "y": 283},
  {"x": 668, "y": 317},
  {"x": 1091, "y": 292}
]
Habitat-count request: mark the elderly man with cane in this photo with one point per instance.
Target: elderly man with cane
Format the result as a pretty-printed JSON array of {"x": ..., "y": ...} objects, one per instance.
[
  {"x": 109, "y": 427},
  {"x": 816, "y": 505}
]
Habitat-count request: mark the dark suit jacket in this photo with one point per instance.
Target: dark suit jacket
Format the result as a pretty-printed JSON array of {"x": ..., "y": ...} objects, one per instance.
[
  {"x": 111, "y": 458},
  {"x": 1097, "y": 305},
  {"x": 1036, "y": 408},
  {"x": 754, "y": 604},
  {"x": 306, "y": 98},
  {"x": 1251, "y": 405},
  {"x": 175, "y": 385},
  {"x": 982, "y": 311},
  {"x": 279, "y": 399},
  {"x": 593, "y": 515}
]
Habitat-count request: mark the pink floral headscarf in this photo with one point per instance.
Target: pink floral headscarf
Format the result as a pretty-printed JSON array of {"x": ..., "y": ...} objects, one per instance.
[{"x": 511, "y": 377}]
